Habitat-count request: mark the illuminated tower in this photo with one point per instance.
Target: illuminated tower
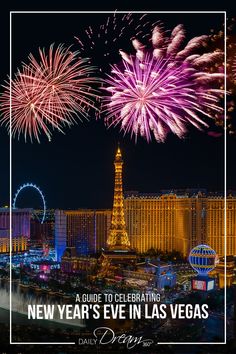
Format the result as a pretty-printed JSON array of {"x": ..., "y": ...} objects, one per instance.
[
  {"x": 118, "y": 252},
  {"x": 118, "y": 236}
]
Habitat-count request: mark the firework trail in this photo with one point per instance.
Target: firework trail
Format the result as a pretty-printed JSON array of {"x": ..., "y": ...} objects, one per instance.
[
  {"x": 216, "y": 42},
  {"x": 102, "y": 41},
  {"x": 234, "y": 68},
  {"x": 153, "y": 93},
  {"x": 48, "y": 94}
]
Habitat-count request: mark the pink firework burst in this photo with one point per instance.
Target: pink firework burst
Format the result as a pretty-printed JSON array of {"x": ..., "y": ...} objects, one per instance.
[
  {"x": 48, "y": 94},
  {"x": 164, "y": 91}
]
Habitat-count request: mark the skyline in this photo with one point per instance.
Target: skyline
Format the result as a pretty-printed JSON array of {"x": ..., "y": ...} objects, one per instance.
[
  {"x": 129, "y": 185},
  {"x": 76, "y": 169}
]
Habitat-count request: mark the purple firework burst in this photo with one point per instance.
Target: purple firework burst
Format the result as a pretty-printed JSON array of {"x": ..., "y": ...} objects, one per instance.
[{"x": 164, "y": 91}]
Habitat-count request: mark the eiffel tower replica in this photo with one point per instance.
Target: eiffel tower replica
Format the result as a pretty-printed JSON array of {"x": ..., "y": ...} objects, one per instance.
[{"x": 118, "y": 245}]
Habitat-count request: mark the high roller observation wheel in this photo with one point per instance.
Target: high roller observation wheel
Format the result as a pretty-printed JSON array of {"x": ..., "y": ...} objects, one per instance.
[{"x": 31, "y": 185}]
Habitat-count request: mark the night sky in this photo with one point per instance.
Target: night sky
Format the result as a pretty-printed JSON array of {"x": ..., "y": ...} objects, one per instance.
[{"x": 75, "y": 170}]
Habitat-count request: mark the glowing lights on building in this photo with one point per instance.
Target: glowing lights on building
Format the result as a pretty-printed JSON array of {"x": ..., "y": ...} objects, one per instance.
[
  {"x": 180, "y": 221},
  {"x": 60, "y": 233},
  {"x": 20, "y": 229},
  {"x": 20, "y": 221},
  {"x": 215, "y": 224},
  {"x": 85, "y": 229},
  {"x": 19, "y": 244},
  {"x": 44, "y": 266}
]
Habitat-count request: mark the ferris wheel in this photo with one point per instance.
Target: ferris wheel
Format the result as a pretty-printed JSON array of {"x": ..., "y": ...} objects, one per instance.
[{"x": 31, "y": 185}]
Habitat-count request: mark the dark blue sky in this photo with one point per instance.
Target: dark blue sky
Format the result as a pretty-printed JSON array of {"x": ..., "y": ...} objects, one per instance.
[{"x": 76, "y": 169}]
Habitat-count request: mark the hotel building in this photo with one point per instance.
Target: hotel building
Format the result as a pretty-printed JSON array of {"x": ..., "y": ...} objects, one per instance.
[
  {"x": 85, "y": 229},
  {"x": 180, "y": 220},
  {"x": 20, "y": 229},
  {"x": 177, "y": 220}
]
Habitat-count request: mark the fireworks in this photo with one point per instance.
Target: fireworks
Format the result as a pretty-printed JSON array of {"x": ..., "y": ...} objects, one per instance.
[
  {"x": 234, "y": 68},
  {"x": 102, "y": 41},
  {"x": 49, "y": 94},
  {"x": 164, "y": 90},
  {"x": 216, "y": 42}
]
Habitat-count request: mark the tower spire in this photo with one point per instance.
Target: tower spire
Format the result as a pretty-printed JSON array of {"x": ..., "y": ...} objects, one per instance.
[{"x": 118, "y": 236}]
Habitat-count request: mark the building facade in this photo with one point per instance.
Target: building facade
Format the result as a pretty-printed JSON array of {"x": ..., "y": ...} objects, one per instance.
[
  {"x": 20, "y": 221},
  {"x": 60, "y": 233},
  {"x": 171, "y": 221},
  {"x": 85, "y": 229},
  {"x": 20, "y": 229},
  {"x": 42, "y": 232},
  {"x": 180, "y": 221},
  {"x": 19, "y": 244},
  {"x": 154, "y": 273},
  {"x": 216, "y": 224},
  {"x": 71, "y": 262},
  {"x": 150, "y": 221}
]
